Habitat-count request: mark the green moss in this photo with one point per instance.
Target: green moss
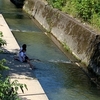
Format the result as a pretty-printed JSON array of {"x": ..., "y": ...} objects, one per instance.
[{"x": 66, "y": 47}]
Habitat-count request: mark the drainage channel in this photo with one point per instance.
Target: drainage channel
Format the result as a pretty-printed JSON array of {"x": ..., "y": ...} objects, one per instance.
[{"x": 60, "y": 79}]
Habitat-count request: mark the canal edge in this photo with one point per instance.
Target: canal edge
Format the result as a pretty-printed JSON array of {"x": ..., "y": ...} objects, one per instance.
[{"x": 35, "y": 91}]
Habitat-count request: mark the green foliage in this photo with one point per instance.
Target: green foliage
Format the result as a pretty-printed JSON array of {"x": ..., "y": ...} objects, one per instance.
[
  {"x": 2, "y": 67},
  {"x": 86, "y": 10},
  {"x": 8, "y": 90},
  {"x": 57, "y": 3},
  {"x": 66, "y": 47},
  {"x": 95, "y": 21},
  {"x": 70, "y": 8},
  {"x": 2, "y": 42}
]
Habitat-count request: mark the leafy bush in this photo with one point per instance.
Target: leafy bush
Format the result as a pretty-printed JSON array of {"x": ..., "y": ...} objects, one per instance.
[
  {"x": 2, "y": 42},
  {"x": 8, "y": 90},
  {"x": 2, "y": 67},
  {"x": 69, "y": 8},
  {"x": 57, "y": 3},
  {"x": 86, "y": 10}
]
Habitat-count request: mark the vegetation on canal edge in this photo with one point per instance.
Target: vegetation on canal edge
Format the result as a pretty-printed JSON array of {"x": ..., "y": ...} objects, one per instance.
[
  {"x": 86, "y": 10},
  {"x": 8, "y": 90},
  {"x": 66, "y": 47}
]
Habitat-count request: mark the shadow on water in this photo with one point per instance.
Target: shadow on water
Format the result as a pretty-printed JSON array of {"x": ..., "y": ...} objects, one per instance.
[
  {"x": 61, "y": 81},
  {"x": 15, "y": 65}
]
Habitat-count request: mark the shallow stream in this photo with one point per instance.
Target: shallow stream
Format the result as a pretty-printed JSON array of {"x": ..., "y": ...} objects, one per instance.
[{"x": 60, "y": 79}]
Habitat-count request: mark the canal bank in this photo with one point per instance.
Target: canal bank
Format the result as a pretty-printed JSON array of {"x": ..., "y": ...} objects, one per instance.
[
  {"x": 60, "y": 81},
  {"x": 20, "y": 71},
  {"x": 73, "y": 35}
]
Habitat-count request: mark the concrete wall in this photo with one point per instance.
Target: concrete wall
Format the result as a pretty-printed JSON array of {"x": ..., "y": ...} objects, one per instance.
[{"x": 67, "y": 30}]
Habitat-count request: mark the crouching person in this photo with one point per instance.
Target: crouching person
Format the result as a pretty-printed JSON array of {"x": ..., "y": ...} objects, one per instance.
[{"x": 23, "y": 58}]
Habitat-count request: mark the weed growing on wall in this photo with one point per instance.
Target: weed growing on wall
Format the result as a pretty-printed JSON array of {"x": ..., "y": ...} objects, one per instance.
[{"x": 86, "y": 10}]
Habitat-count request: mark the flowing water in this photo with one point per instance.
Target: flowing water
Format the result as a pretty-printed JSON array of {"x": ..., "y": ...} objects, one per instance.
[{"x": 60, "y": 79}]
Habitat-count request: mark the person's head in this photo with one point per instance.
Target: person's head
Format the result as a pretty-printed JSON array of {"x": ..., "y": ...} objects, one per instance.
[{"x": 24, "y": 46}]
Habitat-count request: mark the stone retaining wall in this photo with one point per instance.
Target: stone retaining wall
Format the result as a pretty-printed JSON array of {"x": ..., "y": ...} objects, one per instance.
[{"x": 67, "y": 30}]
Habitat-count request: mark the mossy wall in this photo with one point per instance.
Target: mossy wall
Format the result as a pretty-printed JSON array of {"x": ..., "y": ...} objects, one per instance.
[{"x": 80, "y": 39}]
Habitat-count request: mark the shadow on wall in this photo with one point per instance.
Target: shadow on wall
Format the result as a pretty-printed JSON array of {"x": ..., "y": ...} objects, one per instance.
[
  {"x": 94, "y": 65},
  {"x": 18, "y": 3}
]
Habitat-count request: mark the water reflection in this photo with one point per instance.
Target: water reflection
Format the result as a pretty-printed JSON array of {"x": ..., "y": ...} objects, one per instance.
[
  {"x": 25, "y": 25},
  {"x": 19, "y": 16},
  {"x": 65, "y": 82}
]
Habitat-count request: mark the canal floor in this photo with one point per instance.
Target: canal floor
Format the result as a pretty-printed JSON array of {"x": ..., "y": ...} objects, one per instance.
[{"x": 20, "y": 71}]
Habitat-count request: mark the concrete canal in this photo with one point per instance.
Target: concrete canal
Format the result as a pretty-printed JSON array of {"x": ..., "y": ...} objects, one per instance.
[{"x": 60, "y": 79}]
